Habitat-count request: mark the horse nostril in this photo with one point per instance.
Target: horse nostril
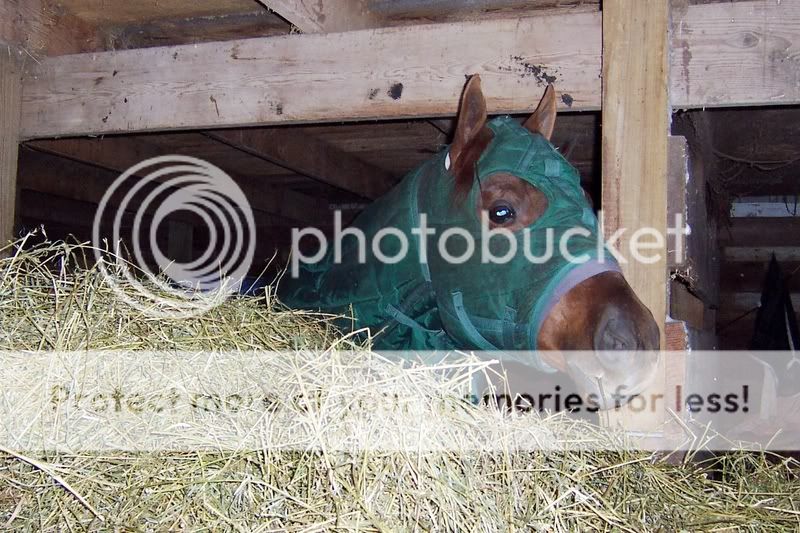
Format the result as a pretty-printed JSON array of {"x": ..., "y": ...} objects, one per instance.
[{"x": 613, "y": 340}]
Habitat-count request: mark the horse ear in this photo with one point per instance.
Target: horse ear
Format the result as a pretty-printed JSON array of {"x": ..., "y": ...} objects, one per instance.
[
  {"x": 543, "y": 120},
  {"x": 471, "y": 117},
  {"x": 471, "y": 137}
]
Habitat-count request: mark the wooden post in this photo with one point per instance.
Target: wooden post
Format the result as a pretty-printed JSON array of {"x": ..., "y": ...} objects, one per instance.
[
  {"x": 635, "y": 130},
  {"x": 180, "y": 239},
  {"x": 10, "y": 99}
]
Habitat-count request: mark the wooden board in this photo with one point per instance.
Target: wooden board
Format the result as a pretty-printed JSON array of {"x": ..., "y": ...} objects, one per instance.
[
  {"x": 312, "y": 16},
  {"x": 749, "y": 277},
  {"x": 635, "y": 132},
  {"x": 677, "y": 178},
  {"x": 761, "y": 232},
  {"x": 675, "y": 366},
  {"x": 40, "y": 27},
  {"x": 761, "y": 254},
  {"x": 686, "y": 307},
  {"x": 401, "y": 72},
  {"x": 701, "y": 269},
  {"x": 122, "y": 11},
  {"x": 307, "y": 78},
  {"x": 736, "y": 55},
  {"x": 310, "y": 156},
  {"x": 10, "y": 97},
  {"x": 204, "y": 29}
]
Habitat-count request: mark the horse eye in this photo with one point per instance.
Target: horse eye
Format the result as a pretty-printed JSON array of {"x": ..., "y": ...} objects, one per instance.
[{"x": 501, "y": 214}]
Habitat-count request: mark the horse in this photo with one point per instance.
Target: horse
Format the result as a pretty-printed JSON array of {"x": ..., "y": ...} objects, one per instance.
[{"x": 546, "y": 313}]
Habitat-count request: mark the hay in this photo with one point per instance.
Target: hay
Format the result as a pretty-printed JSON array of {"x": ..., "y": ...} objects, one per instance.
[{"x": 47, "y": 302}]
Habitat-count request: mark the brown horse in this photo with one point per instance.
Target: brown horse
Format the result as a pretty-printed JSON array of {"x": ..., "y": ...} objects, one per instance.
[
  {"x": 593, "y": 327},
  {"x": 601, "y": 316}
]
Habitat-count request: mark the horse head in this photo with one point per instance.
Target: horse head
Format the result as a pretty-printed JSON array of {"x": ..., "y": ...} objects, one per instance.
[
  {"x": 501, "y": 273},
  {"x": 583, "y": 319}
]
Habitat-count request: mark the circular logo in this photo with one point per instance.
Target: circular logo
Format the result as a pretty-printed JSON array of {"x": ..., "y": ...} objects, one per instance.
[{"x": 184, "y": 196}]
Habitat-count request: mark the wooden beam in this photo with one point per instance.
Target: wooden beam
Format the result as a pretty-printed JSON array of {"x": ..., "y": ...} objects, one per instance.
[
  {"x": 746, "y": 254},
  {"x": 328, "y": 16},
  {"x": 428, "y": 8},
  {"x": 42, "y": 28},
  {"x": 726, "y": 54},
  {"x": 701, "y": 270},
  {"x": 634, "y": 142},
  {"x": 204, "y": 29},
  {"x": 686, "y": 307},
  {"x": 310, "y": 156},
  {"x": 677, "y": 178},
  {"x": 64, "y": 178},
  {"x": 739, "y": 54},
  {"x": 47, "y": 208},
  {"x": 749, "y": 277},
  {"x": 119, "y": 154},
  {"x": 386, "y": 73},
  {"x": 761, "y": 232},
  {"x": 745, "y": 301},
  {"x": 10, "y": 99}
]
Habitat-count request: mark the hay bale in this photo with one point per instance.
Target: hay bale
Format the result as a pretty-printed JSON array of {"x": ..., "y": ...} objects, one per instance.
[{"x": 49, "y": 302}]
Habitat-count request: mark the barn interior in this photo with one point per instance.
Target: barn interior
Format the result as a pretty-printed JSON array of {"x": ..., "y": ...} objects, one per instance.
[
  {"x": 89, "y": 89},
  {"x": 740, "y": 198}
]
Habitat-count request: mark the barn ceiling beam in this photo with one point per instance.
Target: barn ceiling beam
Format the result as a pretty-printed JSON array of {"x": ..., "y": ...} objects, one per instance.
[
  {"x": 41, "y": 27},
  {"x": 325, "y": 16},
  {"x": 309, "y": 156},
  {"x": 119, "y": 154},
  {"x": 724, "y": 55},
  {"x": 429, "y": 8},
  {"x": 56, "y": 176}
]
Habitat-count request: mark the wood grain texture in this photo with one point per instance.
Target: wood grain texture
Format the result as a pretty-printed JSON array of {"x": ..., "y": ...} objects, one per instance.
[
  {"x": 122, "y": 11},
  {"x": 10, "y": 98},
  {"x": 739, "y": 54},
  {"x": 384, "y": 73},
  {"x": 313, "y": 16},
  {"x": 402, "y": 72},
  {"x": 175, "y": 31},
  {"x": 42, "y": 27},
  {"x": 309, "y": 156},
  {"x": 634, "y": 143},
  {"x": 635, "y": 134}
]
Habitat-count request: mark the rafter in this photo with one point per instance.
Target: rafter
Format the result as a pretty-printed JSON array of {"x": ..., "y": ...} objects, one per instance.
[
  {"x": 119, "y": 154},
  {"x": 325, "y": 16},
  {"x": 309, "y": 156},
  {"x": 42, "y": 28}
]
